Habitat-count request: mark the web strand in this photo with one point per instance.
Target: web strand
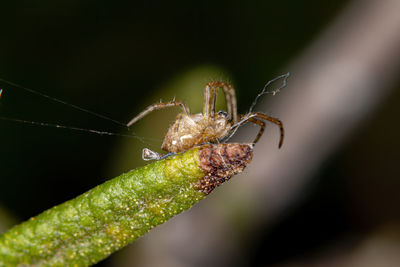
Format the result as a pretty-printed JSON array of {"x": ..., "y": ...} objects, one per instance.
[
  {"x": 273, "y": 92},
  {"x": 45, "y": 124},
  {"x": 62, "y": 102}
]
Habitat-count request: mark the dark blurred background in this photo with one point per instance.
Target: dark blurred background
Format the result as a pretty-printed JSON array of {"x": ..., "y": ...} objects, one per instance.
[{"x": 115, "y": 58}]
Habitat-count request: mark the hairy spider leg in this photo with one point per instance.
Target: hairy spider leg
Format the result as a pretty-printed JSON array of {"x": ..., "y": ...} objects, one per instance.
[
  {"x": 158, "y": 106},
  {"x": 262, "y": 125},
  {"x": 210, "y": 94},
  {"x": 255, "y": 117},
  {"x": 230, "y": 100}
]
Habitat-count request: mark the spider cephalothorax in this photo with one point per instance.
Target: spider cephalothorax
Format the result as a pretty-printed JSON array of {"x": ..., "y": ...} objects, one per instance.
[{"x": 190, "y": 130}]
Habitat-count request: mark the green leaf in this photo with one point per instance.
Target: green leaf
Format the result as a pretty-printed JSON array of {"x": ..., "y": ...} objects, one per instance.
[{"x": 87, "y": 229}]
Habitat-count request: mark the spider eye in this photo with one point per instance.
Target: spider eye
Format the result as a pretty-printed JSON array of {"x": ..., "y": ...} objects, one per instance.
[{"x": 223, "y": 114}]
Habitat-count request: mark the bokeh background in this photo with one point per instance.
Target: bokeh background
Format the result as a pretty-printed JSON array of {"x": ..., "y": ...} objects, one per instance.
[{"x": 329, "y": 197}]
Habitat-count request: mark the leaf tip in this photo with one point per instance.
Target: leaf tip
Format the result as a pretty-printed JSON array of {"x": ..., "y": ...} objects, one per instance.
[{"x": 220, "y": 162}]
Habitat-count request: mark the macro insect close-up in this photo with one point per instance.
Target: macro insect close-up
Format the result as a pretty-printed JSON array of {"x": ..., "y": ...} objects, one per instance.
[
  {"x": 196, "y": 145},
  {"x": 188, "y": 130},
  {"x": 120, "y": 117},
  {"x": 210, "y": 126}
]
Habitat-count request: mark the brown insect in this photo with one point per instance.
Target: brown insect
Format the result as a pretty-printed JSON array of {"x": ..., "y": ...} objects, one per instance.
[{"x": 210, "y": 126}]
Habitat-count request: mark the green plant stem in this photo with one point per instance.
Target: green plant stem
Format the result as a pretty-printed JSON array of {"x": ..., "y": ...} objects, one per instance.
[{"x": 87, "y": 229}]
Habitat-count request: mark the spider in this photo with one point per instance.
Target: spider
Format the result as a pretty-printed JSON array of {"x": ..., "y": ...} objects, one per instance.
[{"x": 190, "y": 130}]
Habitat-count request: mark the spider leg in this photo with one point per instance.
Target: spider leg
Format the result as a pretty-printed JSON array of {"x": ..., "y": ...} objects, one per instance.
[
  {"x": 231, "y": 103},
  {"x": 262, "y": 125},
  {"x": 257, "y": 117},
  {"x": 210, "y": 94},
  {"x": 158, "y": 106}
]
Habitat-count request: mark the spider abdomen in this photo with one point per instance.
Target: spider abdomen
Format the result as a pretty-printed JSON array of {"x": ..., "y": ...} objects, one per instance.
[{"x": 195, "y": 129}]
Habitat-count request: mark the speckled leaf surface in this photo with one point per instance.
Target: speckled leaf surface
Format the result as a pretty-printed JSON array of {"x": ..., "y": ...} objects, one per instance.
[{"x": 87, "y": 229}]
